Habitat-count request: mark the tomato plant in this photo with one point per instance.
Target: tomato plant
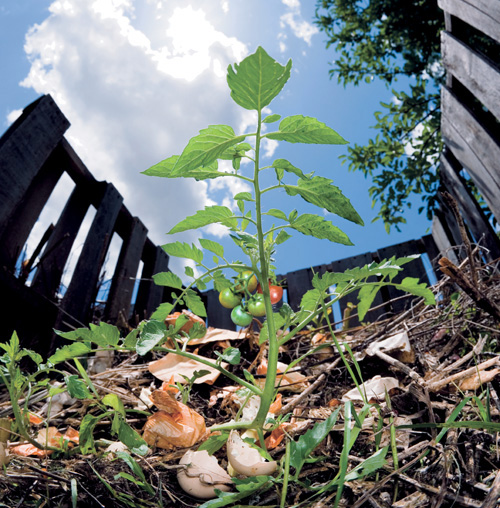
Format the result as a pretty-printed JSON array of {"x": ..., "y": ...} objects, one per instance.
[
  {"x": 258, "y": 228},
  {"x": 240, "y": 317},
  {"x": 229, "y": 299}
]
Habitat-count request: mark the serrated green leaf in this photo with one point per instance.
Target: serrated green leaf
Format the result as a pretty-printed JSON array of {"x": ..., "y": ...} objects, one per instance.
[
  {"x": 230, "y": 355},
  {"x": 320, "y": 192},
  {"x": 210, "y": 215},
  {"x": 188, "y": 270},
  {"x": 163, "y": 310},
  {"x": 245, "y": 196},
  {"x": 305, "y": 129},
  {"x": 220, "y": 281},
  {"x": 183, "y": 250},
  {"x": 86, "y": 433},
  {"x": 412, "y": 285},
  {"x": 104, "y": 334},
  {"x": 77, "y": 388},
  {"x": 152, "y": 334},
  {"x": 271, "y": 118},
  {"x": 68, "y": 352},
  {"x": 257, "y": 80},
  {"x": 278, "y": 320},
  {"x": 169, "y": 279},
  {"x": 282, "y": 165},
  {"x": 366, "y": 296},
  {"x": 34, "y": 356},
  {"x": 214, "y": 442},
  {"x": 274, "y": 212},
  {"x": 314, "y": 225},
  {"x": 282, "y": 237},
  {"x": 310, "y": 299},
  {"x": 164, "y": 169},
  {"x": 112, "y": 400},
  {"x": 131, "y": 439},
  {"x": 205, "y": 148},
  {"x": 195, "y": 303}
]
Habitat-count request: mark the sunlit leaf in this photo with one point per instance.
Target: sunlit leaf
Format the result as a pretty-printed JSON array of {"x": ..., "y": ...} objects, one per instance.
[
  {"x": 183, "y": 250},
  {"x": 304, "y": 129},
  {"x": 169, "y": 279},
  {"x": 152, "y": 334},
  {"x": 210, "y": 215},
  {"x": 314, "y": 225},
  {"x": 320, "y": 192},
  {"x": 68, "y": 352},
  {"x": 257, "y": 80}
]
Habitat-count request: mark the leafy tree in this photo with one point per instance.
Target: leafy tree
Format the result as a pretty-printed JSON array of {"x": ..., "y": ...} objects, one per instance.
[{"x": 392, "y": 40}]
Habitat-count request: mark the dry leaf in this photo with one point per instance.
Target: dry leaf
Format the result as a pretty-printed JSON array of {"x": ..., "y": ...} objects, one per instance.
[
  {"x": 276, "y": 437},
  {"x": 175, "y": 365},
  {"x": 218, "y": 334},
  {"x": 474, "y": 382},
  {"x": 375, "y": 389},
  {"x": 193, "y": 318},
  {"x": 292, "y": 381}
]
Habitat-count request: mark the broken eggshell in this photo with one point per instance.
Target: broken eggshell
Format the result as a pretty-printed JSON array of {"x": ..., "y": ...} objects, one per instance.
[
  {"x": 202, "y": 475},
  {"x": 246, "y": 460}
]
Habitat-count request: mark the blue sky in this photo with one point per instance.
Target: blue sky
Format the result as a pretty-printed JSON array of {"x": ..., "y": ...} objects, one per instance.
[{"x": 137, "y": 79}]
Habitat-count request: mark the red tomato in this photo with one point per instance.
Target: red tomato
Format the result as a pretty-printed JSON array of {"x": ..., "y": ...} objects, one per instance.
[{"x": 275, "y": 292}]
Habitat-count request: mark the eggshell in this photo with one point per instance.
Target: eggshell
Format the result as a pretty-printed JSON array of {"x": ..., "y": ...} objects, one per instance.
[{"x": 202, "y": 475}]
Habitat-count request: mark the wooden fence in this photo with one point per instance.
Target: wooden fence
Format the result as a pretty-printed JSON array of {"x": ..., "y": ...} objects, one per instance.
[{"x": 34, "y": 154}]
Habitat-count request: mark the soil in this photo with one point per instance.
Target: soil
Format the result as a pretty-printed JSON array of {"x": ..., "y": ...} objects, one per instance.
[{"x": 428, "y": 465}]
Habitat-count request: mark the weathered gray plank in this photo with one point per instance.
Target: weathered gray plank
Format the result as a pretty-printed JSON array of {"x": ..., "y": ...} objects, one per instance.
[
  {"x": 474, "y": 148},
  {"x": 122, "y": 285},
  {"x": 16, "y": 228},
  {"x": 149, "y": 295},
  {"x": 82, "y": 289},
  {"x": 473, "y": 70},
  {"x": 481, "y": 14},
  {"x": 24, "y": 148},
  {"x": 217, "y": 315},
  {"x": 342, "y": 265},
  {"x": 443, "y": 238},
  {"x": 50, "y": 270},
  {"x": 470, "y": 210}
]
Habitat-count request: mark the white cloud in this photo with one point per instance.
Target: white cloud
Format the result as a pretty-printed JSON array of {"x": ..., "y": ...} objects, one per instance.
[
  {"x": 135, "y": 96},
  {"x": 301, "y": 28}
]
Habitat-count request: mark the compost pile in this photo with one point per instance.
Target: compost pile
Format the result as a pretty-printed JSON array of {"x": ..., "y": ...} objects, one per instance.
[{"x": 430, "y": 374}]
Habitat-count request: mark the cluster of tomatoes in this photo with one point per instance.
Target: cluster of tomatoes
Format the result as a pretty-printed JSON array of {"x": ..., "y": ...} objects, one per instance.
[{"x": 246, "y": 298}]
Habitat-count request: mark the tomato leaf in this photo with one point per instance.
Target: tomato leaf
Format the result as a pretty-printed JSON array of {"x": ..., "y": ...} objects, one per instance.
[
  {"x": 412, "y": 285},
  {"x": 282, "y": 165},
  {"x": 77, "y": 387},
  {"x": 164, "y": 169},
  {"x": 68, "y": 352},
  {"x": 183, "y": 250},
  {"x": 152, "y": 334},
  {"x": 320, "y": 192},
  {"x": 112, "y": 400},
  {"x": 314, "y": 225},
  {"x": 366, "y": 296},
  {"x": 274, "y": 212},
  {"x": 131, "y": 439},
  {"x": 305, "y": 129},
  {"x": 195, "y": 303},
  {"x": 163, "y": 310},
  {"x": 205, "y": 148},
  {"x": 210, "y": 215},
  {"x": 257, "y": 80},
  {"x": 168, "y": 279}
]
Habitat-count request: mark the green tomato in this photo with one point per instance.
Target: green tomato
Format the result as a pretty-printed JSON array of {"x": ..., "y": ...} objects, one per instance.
[
  {"x": 240, "y": 317},
  {"x": 248, "y": 281},
  {"x": 228, "y": 299},
  {"x": 256, "y": 306}
]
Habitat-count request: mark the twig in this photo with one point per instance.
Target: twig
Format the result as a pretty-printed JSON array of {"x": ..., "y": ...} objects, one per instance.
[
  {"x": 494, "y": 494},
  {"x": 457, "y": 276}
]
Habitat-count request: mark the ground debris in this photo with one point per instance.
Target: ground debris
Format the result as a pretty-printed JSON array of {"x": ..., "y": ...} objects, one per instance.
[{"x": 443, "y": 362}]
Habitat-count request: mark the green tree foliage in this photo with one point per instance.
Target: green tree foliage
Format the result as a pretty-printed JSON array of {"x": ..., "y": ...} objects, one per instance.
[{"x": 391, "y": 40}]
